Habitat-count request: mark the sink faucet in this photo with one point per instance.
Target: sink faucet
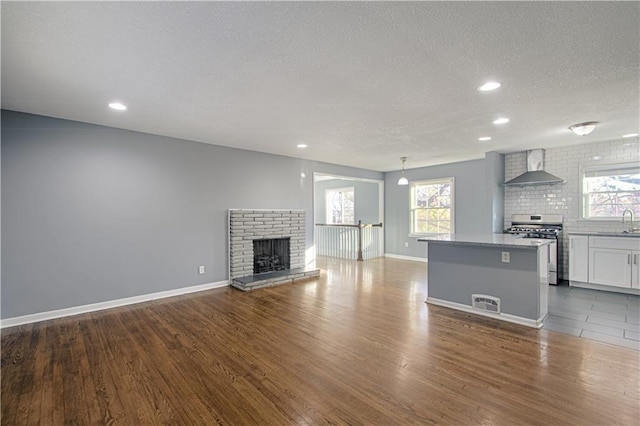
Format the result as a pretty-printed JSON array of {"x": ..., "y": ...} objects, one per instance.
[{"x": 624, "y": 213}]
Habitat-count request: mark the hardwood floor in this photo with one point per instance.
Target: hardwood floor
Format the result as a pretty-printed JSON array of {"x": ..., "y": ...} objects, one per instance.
[{"x": 356, "y": 346}]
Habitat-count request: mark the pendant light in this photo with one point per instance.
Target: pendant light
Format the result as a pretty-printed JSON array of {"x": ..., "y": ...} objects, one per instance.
[{"x": 403, "y": 180}]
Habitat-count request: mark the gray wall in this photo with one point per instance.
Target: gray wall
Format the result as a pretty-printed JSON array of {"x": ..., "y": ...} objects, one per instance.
[
  {"x": 494, "y": 180},
  {"x": 471, "y": 213},
  {"x": 92, "y": 214},
  {"x": 457, "y": 271},
  {"x": 365, "y": 194}
]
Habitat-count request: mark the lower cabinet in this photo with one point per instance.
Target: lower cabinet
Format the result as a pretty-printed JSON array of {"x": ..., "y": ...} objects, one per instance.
[
  {"x": 578, "y": 258},
  {"x": 610, "y": 267},
  {"x": 635, "y": 270},
  {"x": 606, "y": 261}
]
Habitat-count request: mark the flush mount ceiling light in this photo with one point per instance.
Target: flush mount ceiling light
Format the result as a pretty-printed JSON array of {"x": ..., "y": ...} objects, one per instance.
[
  {"x": 403, "y": 180},
  {"x": 583, "y": 129},
  {"x": 484, "y": 138},
  {"x": 501, "y": 120},
  {"x": 489, "y": 85},
  {"x": 117, "y": 106},
  {"x": 302, "y": 145}
]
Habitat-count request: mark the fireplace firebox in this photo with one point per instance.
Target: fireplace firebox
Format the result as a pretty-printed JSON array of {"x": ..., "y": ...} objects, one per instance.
[
  {"x": 267, "y": 263},
  {"x": 271, "y": 255}
]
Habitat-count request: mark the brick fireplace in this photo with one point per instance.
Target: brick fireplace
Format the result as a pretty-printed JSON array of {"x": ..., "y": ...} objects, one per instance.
[{"x": 249, "y": 230}]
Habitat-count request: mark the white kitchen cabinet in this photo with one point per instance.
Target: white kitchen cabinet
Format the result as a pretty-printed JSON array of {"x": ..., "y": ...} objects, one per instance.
[
  {"x": 614, "y": 261},
  {"x": 578, "y": 258},
  {"x": 610, "y": 267},
  {"x": 635, "y": 270}
]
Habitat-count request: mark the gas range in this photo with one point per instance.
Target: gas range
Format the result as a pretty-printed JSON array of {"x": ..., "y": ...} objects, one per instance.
[{"x": 540, "y": 226}]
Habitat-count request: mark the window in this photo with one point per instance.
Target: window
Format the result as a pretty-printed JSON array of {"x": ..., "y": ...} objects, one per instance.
[
  {"x": 608, "y": 190},
  {"x": 432, "y": 207},
  {"x": 340, "y": 206}
]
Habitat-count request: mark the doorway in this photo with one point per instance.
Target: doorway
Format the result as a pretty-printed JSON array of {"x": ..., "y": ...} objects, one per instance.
[{"x": 340, "y": 204}]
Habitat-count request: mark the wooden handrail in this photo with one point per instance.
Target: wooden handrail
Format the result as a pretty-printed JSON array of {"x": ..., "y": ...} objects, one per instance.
[{"x": 359, "y": 225}]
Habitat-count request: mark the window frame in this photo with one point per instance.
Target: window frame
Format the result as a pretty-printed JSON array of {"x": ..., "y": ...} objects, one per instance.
[
  {"x": 583, "y": 196},
  {"x": 327, "y": 211},
  {"x": 451, "y": 181}
]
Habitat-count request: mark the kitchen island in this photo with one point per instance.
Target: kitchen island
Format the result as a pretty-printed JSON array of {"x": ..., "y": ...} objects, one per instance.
[{"x": 497, "y": 275}]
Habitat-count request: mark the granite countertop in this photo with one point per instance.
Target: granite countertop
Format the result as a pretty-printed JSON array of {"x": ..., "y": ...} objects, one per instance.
[
  {"x": 608, "y": 234},
  {"x": 503, "y": 240}
]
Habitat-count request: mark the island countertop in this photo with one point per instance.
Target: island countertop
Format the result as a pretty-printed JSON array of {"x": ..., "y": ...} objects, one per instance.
[{"x": 503, "y": 240}]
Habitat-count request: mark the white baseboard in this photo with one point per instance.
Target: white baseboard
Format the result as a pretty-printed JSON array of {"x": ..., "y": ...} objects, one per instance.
[
  {"x": 503, "y": 317},
  {"x": 59, "y": 313},
  {"x": 401, "y": 257},
  {"x": 609, "y": 288}
]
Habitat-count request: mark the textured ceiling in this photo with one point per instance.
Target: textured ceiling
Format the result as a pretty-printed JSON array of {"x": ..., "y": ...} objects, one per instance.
[{"x": 361, "y": 83}]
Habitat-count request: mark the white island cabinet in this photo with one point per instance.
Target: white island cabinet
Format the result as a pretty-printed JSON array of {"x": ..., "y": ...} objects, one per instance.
[
  {"x": 613, "y": 263},
  {"x": 494, "y": 275}
]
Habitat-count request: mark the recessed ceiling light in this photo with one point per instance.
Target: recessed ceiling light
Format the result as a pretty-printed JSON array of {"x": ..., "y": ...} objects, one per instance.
[
  {"x": 302, "y": 145},
  {"x": 118, "y": 106},
  {"x": 597, "y": 157},
  {"x": 484, "y": 138},
  {"x": 502, "y": 120},
  {"x": 489, "y": 85},
  {"x": 630, "y": 135}
]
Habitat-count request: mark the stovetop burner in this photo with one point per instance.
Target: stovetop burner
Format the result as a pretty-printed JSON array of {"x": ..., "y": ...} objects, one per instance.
[{"x": 536, "y": 226}]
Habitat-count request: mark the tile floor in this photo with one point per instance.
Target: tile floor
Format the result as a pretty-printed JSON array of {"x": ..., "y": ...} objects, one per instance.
[{"x": 607, "y": 317}]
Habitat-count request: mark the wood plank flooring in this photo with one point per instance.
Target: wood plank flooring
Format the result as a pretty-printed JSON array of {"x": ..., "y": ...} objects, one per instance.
[{"x": 356, "y": 346}]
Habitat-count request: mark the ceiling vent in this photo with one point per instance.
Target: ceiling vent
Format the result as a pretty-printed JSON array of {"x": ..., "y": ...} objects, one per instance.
[{"x": 535, "y": 174}]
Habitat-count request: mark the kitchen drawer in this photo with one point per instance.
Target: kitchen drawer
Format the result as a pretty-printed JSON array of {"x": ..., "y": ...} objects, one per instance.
[{"x": 621, "y": 243}]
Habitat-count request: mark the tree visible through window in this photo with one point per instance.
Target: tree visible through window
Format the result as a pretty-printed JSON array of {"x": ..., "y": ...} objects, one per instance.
[
  {"x": 609, "y": 190},
  {"x": 432, "y": 207},
  {"x": 340, "y": 206}
]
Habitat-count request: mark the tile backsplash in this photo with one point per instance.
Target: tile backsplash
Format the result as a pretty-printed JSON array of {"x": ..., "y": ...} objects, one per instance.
[{"x": 564, "y": 198}]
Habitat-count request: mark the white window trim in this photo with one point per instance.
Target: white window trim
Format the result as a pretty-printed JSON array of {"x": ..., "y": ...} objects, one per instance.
[
  {"x": 450, "y": 180},
  {"x": 594, "y": 167},
  {"x": 327, "y": 211}
]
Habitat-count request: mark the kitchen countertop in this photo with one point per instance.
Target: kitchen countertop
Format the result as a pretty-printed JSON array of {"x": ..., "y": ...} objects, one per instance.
[
  {"x": 503, "y": 240},
  {"x": 608, "y": 234}
]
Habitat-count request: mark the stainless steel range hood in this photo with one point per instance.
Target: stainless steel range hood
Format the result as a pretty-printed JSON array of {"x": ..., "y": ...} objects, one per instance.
[{"x": 535, "y": 174}]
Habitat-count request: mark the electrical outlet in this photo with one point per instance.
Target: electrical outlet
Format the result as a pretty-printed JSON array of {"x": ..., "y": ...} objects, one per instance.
[
  {"x": 506, "y": 257},
  {"x": 406, "y": 244},
  {"x": 201, "y": 269}
]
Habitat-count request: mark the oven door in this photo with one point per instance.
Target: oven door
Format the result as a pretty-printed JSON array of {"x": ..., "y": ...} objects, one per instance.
[{"x": 553, "y": 263}]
